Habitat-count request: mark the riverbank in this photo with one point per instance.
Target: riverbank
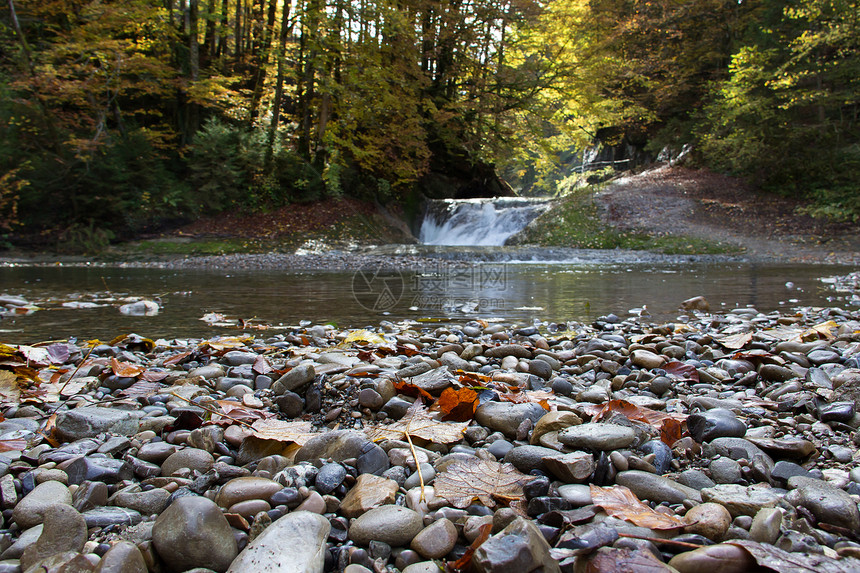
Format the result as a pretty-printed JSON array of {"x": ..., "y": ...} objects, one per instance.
[
  {"x": 721, "y": 439},
  {"x": 666, "y": 211}
]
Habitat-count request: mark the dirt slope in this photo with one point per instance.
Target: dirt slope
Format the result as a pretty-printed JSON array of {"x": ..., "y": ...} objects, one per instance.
[{"x": 679, "y": 201}]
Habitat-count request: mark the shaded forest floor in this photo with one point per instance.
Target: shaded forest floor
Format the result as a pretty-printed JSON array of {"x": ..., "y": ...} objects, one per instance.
[{"x": 683, "y": 202}]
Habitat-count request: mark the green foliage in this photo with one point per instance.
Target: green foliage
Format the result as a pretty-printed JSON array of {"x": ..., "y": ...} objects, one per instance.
[{"x": 787, "y": 116}]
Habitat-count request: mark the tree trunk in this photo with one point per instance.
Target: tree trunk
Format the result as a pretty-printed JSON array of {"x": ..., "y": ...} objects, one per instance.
[
  {"x": 25, "y": 47},
  {"x": 279, "y": 83}
]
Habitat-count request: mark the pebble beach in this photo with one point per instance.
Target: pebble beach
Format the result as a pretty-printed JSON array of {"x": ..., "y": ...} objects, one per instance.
[{"x": 725, "y": 440}]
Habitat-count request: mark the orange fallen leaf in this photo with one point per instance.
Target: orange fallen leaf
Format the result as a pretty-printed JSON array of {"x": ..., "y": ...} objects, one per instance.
[
  {"x": 410, "y": 389},
  {"x": 125, "y": 369},
  {"x": 618, "y": 501},
  {"x": 457, "y": 405}
]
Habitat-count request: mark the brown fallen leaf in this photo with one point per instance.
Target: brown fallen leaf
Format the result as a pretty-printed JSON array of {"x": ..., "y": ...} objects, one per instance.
[
  {"x": 489, "y": 482},
  {"x": 420, "y": 423},
  {"x": 9, "y": 390},
  {"x": 126, "y": 369},
  {"x": 261, "y": 365},
  {"x": 780, "y": 560},
  {"x": 623, "y": 560},
  {"x": 618, "y": 501},
  {"x": 681, "y": 370},
  {"x": 410, "y": 389},
  {"x": 177, "y": 358}
]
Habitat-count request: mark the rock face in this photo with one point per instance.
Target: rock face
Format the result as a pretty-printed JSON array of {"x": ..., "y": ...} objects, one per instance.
[
  {"x": 193, "y": 532},
  {"x": 295, "y": 543}
]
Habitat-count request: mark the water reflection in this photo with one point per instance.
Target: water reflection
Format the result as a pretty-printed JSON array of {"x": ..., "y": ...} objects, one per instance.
[{"x": 514, "y": 292}]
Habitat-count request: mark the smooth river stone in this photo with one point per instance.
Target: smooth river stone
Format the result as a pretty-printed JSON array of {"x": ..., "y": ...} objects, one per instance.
[
  {"x": 600, "y": 437},
  {"x": 295, "y": 543},
  {"x": 436, "y": 540},
  {"x": 90, "y": 421},
  {"x": 553, "y": 422},
  {"x": 193, "y": 532},
  {"x": 190, "y": 458},
  {"x": 122, "y": 557},
  {"x": 717, "y": 423},
  {"x": 64, "y": 530},
  {"x": 826, "y": 502},
  {"x": 742, "y": 500},
  {"x": 340, "y": 445},
  {"x": 368, "y": 492},
  {"x": 31, "y": 510},
  {"x": 391, "y": 524},
  {"x": 245, "y": 488},
  {"x": 506, "y": 417},
  {"x": 656, "y": 488}
]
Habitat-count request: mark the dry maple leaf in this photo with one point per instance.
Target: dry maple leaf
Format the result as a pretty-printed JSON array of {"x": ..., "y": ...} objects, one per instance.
[
  {"x": 487, "y": 481},
  {"x": 618, "y": 501},
  {"x": 296, "y": 432},
  {"x": 735, "y": 341},
  {"x": 420, "y": 423}
]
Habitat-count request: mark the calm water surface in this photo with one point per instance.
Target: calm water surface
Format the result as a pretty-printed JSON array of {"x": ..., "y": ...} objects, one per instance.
[{"x": 515, "y": 292}]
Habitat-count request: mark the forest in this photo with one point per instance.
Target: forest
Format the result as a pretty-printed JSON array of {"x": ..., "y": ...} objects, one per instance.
[{"x": 118, "y": 116}]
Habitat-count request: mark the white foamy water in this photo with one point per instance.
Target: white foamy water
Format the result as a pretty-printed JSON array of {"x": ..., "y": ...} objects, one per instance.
[{"x": 478, "y": 222}]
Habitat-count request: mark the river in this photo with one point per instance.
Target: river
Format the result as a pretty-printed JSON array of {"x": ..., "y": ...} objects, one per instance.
[{"x": 521, "y": 292}]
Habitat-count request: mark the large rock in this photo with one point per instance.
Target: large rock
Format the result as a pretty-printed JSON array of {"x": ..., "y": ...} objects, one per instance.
[
  {"x": 90, "y": 421},
  {"x": 369, "y": 491},
  {"x": 245, "y": 488},
  {"x": 742, "y": 500},
  {"x": 31, "y": 510},
  {"x": 519, "y": 547},
  {"x": 340, "y": 445},
  {"x": 506, "y": 417},
  {"x": 294, "y": 379},
  {"x": 122, "y": 557},
  {"x": 295, "y": 543},
  {"x": 64, "y": 530},
  {"x": 716, "y": 423},
  {"x": 598, "y": 437},
  {"x": 193, "y": 532},
  {"x": 391, "y": 524},
  {"x": 656, "y": 488},
  {"x": 435, "y": 380},
  {"x": 827, "y": 503}
]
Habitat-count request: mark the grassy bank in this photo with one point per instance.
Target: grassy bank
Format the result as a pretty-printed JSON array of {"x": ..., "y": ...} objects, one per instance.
[{"x": 574, "y": 221}]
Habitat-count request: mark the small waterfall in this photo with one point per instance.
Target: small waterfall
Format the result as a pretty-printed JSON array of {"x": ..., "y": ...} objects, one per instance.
[{"x": 477, "y": 222}]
